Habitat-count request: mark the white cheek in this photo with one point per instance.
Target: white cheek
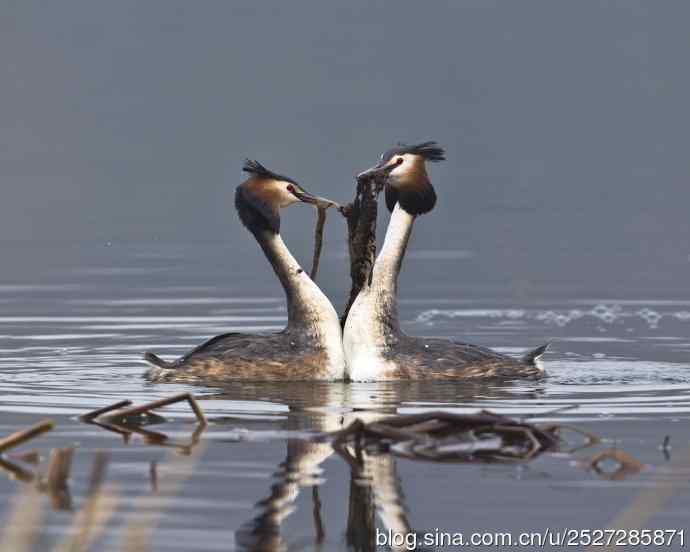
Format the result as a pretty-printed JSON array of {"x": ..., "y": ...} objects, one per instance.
[
  {"x": 287, "y": 198},
  {"x": 401, "y": 169}
]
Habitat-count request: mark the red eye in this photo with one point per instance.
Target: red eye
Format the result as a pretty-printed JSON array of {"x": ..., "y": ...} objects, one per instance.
[
  {"x": 291, "y": 188},
  {"x": 399, "y": 161}
]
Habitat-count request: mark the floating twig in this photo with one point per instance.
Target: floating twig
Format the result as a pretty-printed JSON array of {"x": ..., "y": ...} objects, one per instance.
[
  {"x": 19, "y": 437},
  {"x": 100, "y": 411},
  {"x": 444, "y": 436},
  {"x": 122, "y": 416}
]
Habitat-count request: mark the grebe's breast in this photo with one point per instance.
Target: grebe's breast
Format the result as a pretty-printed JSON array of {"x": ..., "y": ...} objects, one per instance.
[{"x": 286, "y": 355}]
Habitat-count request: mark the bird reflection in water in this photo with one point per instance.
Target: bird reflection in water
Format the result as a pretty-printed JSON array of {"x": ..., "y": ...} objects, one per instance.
[{"x": 374, "y": 485}]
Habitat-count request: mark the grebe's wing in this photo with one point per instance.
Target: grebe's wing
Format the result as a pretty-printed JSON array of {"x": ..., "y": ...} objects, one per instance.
[{"x": 214, "y": 346}]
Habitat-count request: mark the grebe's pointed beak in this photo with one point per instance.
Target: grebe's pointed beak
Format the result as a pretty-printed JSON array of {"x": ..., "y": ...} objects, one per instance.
[
  {"x": 306, "y": 197},
  {"x": 375, "y": 172}
]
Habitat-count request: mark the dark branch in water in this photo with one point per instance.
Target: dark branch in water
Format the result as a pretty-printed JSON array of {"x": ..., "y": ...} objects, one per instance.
[
  {"x": 129, "y": 415},
  {"x": 442, "y": 436},
  {"x": 24, "y": 435},
  {"x": 361, "y": 237},
  {"x": 99, "y": 412}
]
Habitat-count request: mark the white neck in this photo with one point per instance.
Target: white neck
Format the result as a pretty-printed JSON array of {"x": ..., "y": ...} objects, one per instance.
[
  {"x": 373, "y": 319},
  {"x": 309, "y": 310},
  {"x": 389, "y": 261}
]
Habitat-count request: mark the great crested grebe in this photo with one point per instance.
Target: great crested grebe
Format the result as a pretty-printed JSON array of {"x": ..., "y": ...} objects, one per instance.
[
  {"x": 310, "y": 347},
  {"x": 375, "y": 347}
]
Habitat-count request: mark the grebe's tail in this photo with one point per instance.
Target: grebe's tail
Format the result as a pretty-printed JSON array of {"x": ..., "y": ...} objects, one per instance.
[
  {"x": 156, "y": 361},
  {"x": 532, "y": 356}
]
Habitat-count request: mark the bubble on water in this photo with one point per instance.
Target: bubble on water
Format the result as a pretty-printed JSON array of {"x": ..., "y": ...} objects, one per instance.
[
  {"x": 426, "y": 317},
  {"x": 650, "y": 316},
  {"x": 514, "y": 313},
  {"x": 546, "y": 316},
  {"x": 606, "y": 314}
]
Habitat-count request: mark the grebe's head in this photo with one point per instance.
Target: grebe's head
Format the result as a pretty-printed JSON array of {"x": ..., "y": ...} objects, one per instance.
[
  {"x": 403, "y": 170},
  {"x": 260, "y": 198}
]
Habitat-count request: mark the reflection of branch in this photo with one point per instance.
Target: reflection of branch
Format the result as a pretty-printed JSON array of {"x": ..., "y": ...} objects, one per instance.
[
  {"x": 21, "y": 527},
  {"x": 318, "y": 522},
  {"x": 99, "y": 506},
  {"x": 56, "y": 480},
  {"x": 16, "y": 471},
  {"x": 156, "y": 438},
  {"x": 153, "y": 476},
  {"x": 149, "y": 509},
  {"x": 651, "y": 500},
  {"x": 374, "y": 488},
  {"x": 361, "y": 519},
  {"x": 623, "y": 466}
]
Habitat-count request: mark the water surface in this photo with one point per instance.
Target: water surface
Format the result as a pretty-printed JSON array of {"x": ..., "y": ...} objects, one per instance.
[{"x": 71, "y": 337}]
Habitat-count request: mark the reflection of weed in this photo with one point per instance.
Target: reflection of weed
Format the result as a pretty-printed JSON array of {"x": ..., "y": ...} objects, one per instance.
[
  {"x": 150, "y": 508},
  {"x": 24, "y": 522}
]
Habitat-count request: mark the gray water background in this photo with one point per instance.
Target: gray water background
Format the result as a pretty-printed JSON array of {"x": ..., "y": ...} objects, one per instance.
[{"x": 562, "y": 216}]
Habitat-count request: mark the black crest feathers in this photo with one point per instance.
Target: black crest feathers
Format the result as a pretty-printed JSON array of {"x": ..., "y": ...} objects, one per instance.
[
  {"x": 430, "y": 151},
  {"x": 257, "y": 169}
]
